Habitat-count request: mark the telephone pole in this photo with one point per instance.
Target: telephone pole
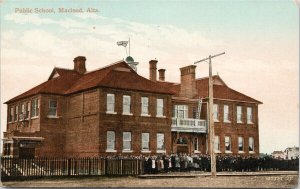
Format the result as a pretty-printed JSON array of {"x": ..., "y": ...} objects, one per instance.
[{"x": 211, "y": 114}]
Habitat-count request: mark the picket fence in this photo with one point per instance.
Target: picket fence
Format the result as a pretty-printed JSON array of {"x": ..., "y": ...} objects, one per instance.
[{"x": 16, "y": 168}]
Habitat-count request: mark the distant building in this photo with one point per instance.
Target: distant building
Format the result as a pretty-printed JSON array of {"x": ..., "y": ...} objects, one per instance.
[
  {"x": 113, "y": 110},
  {"x": 291, "y": 153},
  {"x": 278, "y": 155}
]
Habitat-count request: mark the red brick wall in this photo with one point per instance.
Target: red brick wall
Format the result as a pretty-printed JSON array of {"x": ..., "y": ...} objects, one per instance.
[
  {"x": 82, "y": 130},
  {"x": 234, "y": 129},
  {"x": 136, "y": 124}
]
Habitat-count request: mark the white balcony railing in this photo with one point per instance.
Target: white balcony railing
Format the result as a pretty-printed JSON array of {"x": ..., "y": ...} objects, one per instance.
[{"x": 189, "y": 125}]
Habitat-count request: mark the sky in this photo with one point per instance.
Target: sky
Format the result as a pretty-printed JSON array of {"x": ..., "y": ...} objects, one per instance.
[{"x": 260, "y": 39}]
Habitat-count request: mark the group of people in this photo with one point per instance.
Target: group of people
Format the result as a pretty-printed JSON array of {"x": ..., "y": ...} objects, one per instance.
[{"x": 184, "y": 162}]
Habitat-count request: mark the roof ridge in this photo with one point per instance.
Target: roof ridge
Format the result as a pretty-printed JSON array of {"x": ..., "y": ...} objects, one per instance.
[
  {"x": 243, "y": 94},
  {"x": 63, "y": 68},
  {"x": 104, "y": 67}
]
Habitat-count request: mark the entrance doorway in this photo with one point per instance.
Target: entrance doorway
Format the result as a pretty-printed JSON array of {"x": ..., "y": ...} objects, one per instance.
[
  {"x": 26, "y": 152},
  {"x": 182, "y": 149}
]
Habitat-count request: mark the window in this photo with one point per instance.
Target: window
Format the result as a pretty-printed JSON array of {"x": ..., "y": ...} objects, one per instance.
[
  {"x": 11, "y": 114},
  {"x": 27, "y": 109},
  {"x": 227, "y": 144},
  {"x": 145, "y": 141},
  {"x": 216, "y": 112},
  {"x": 34, "y": 108},
  {"x": 52, "y": 108},
  {"x": 182, "y": 140},
  {"x": 127, "y": 141},
  {"x": 217, "y": 144},
  {"x": 22, "y": 112},
  {"x": 196, "y": 144},
  {"x": 126, "y": 104},
  {"x": 16, "y": 113},
  {"x": 241, "y": 144},
  {"x": 111, "y": 137},
  {"x": 145, "y": 105},
  {"x": 110, "y": 103},
  {"x": 181, "y": 111},
  {"x": 226, "y": 113},
  {"x": 251, "y": 144},
  {"x": 249, "y": 115},
  {"x": 6, "y": 150},
  {"x": 159, "y": 107},
  {"x": 160, "y": 137},
  {"x": 239, "y": 114}
]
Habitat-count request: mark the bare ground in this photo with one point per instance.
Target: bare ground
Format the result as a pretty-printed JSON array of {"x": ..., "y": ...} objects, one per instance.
[{"x": 274, "y": 181}]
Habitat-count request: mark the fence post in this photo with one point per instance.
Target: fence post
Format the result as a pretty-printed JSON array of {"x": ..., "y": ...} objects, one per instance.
[
  {"x": 105, "y": 166},
  {"x": 89, "y": 162},
  {"x": 69, "y": 166}
]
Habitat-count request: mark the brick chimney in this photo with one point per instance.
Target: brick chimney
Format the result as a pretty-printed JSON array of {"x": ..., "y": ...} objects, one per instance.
[
  {"x": 188, "y": 84},
  {"x": 161, "y": 73},
  {"x": 79, "y": 64},
  {"x": 152, "y": 74}
]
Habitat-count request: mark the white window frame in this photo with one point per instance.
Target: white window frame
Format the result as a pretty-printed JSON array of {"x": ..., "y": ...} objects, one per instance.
[
  {"x": 160, "y": 107},
  {"x": 52, "y": 109},
  {"x": 183, "y": 109},
  {"x": 126, "y": 107},
  {"x": 145, "y": 106},
  {"x": 129, "y": 140},
  {"x": 16, "y": 116},
  {"x": 110, "y": 103},
  {"x": 249, "y": 115},
  {"x": 28, "y": 106},
  {"x": 22, "y": 111},
  {"x": 239, "y": 114},
  {"x": 111, "y": 141},
  {"x": 217, "y": 144},
  {"x": 216, "y": 112},
  {"x": 145, "y": 140},
  {"x": 251, "y": 142},
  {"x": 241, "y": 141},
  {"x": 227, "y": 140},
  {"x": 226, "y": 114},
  {"x": 34, "y": 108},
  {"x": 11, "y": 115},
  {"x": 160, "y": 144}
]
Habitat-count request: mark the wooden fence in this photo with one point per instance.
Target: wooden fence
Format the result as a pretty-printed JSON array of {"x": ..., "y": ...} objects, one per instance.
[{"x": 15, "y": 168}]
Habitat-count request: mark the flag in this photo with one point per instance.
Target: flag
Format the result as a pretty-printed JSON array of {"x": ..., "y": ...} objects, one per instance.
[{"x": 123, "y": 43}]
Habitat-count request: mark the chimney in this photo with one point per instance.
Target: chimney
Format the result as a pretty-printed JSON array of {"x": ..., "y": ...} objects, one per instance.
[
  {"x": 152, "y": 70},
  {"x": 188, "y": 84},
  {"x": 79, "y": 64},
  {"x": 161, "y": 74}
]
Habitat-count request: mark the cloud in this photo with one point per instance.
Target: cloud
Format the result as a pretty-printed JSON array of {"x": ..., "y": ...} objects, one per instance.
[
  {"x": 26, "y": 19},
  {"x": 37, "y": 20}
]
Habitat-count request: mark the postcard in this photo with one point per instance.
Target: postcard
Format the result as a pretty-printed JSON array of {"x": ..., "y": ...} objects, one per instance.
[{"x": 150, "y": 93}]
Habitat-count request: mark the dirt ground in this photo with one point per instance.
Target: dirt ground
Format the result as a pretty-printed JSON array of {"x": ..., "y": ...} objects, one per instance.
[{"x": 278, "y": 181}]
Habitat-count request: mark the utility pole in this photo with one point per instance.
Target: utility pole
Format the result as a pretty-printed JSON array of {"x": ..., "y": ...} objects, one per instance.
[{"x": 211, "y": 114}]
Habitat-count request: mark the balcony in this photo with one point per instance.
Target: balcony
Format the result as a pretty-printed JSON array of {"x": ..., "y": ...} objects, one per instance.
[{"x": 188, "y": 125}]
